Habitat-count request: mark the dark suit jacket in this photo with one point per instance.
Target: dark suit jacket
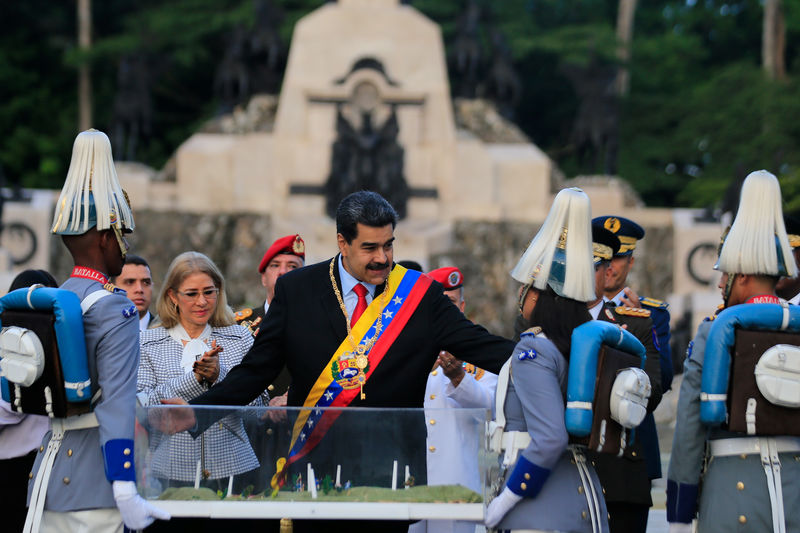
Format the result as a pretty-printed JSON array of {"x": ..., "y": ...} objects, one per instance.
[
  {"x": 305, "y": 325},
  {"x": 625, "y": 479},
  {"x": 251, "y": 318}
]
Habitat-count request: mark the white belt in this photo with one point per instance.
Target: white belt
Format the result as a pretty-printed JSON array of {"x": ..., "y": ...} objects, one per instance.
[
  {"x": 58, "y": 426},
  {"x": 752, "y": 445},
  {"x": 512, "y": 442},
  {"x": 592, "y": 500},
  {"x": 769, "y": 448}
]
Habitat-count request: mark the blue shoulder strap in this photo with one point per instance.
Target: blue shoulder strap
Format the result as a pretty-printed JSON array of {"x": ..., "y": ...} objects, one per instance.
[
  {"x": 66, "y": 309},
  {"x": 587, "y": 339}
]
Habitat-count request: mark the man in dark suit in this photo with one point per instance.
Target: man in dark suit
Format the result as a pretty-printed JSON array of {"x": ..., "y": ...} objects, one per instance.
[
  {"x": 625, "y": 479},
  {"x": 313, "y": 324}
]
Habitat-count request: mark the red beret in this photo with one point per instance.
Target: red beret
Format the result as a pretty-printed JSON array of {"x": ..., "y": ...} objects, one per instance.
[
  {"x": 291, "y": 244},
  {"x": 450, "y": 277}
]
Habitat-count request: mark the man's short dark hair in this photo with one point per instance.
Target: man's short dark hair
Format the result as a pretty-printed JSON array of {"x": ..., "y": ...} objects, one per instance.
[
  {"x": 363, "y": 207},
  {"x": 131, "y": 259}
]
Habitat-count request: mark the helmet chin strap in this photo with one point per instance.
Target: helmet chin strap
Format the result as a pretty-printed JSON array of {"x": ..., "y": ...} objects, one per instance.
[
  {"x": 728, "y": 288},
  {"x": 118, "y": 234}
]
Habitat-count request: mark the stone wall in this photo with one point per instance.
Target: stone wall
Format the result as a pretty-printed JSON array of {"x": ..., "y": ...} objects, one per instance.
[
  {"x": 484, "y": 251},
  {"x": 235, "y": 243}
]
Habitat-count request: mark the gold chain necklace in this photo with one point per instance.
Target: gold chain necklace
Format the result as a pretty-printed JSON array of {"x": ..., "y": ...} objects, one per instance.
[{"x": 360, "y": 350}]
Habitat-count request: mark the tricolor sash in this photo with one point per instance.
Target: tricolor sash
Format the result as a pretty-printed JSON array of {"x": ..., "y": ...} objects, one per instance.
[{"x": 341, "y": 380}]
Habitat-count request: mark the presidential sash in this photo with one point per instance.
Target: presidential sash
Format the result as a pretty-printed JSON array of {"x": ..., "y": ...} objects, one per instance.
[{"x": 357, "y": 357}]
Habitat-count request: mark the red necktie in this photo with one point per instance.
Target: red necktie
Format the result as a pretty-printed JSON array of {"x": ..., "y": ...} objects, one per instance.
[{"x": 361, "y": 305}]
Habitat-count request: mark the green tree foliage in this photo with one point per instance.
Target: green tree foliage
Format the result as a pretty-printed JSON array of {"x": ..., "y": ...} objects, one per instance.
[{"x": 698, "y": 115}]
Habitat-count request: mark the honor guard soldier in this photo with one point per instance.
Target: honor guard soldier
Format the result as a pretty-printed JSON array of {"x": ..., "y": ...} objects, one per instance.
[
  {"x": 789, "y": 288},
  {"x": 452, "y": 448},
  {"x": 737, "y": 428},
  {"x": 286, "y": 254},
  {"x": 84, "y": 478},
  {"x": 625, "y": 479},
  {"x": 546, "y": 484},
  {"x": 616, "y": 292}
]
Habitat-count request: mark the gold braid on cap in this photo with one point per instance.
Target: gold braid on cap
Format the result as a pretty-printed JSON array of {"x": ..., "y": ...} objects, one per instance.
[{"x": 602, "y": 251}]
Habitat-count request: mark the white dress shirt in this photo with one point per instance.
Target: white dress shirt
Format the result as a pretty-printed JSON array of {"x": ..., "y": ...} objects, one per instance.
[
  {"x": 595, "y": 311},
  {"x": 144, "y": 322},
  {"x": 348, "y": 294}
]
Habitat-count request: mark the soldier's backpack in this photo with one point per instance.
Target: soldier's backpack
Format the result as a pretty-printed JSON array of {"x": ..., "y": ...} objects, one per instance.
[
  {"x": 43, "y": 362},
  {"x": 751, "y": 370},
  {"x": 607, "y": 390}
]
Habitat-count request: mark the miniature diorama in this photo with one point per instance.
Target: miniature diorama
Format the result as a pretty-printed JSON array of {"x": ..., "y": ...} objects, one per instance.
[{"x": 313, "y": 463}]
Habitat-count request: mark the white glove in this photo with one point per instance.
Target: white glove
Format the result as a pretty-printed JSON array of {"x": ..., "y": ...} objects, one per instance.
[
  {"x": 500, "y": 506},
  {"x": 136, "y": 512},
  {"x": 680, "y": 527}
]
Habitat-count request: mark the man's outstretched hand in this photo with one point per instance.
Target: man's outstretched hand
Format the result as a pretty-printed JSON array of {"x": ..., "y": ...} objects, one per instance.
[{"x": 175, "y": 420}]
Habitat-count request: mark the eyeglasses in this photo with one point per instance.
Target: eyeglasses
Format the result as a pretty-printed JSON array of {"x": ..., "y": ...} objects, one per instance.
[{"x": 208, "y": 294}]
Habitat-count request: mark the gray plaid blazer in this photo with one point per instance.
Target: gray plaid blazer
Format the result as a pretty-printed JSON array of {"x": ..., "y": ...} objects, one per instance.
[{"x": 223, "y": 449}]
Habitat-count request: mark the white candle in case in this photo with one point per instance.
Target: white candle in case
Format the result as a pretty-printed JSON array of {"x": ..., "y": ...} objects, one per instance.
[
  {"x": 394, "y": 475},
  {"x": 312, "y": 482},
  {"x": 338, "y": 475},
  {"x": 230, "y": 486},
  {"x": 197, "y": 476},
  {"x": 408, "y": 475}
]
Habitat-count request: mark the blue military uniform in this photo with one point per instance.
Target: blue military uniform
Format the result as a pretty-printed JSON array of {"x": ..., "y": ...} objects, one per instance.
[
  {"x": 628, "y": 233},
  {"x": 90, "y": 458}
]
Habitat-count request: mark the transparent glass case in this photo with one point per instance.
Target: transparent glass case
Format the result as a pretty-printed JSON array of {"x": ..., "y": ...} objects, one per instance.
[{"x": 327, "y": 463}]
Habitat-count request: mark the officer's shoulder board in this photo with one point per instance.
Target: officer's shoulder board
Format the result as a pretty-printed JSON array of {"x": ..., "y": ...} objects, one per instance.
[
  {"x": 652, "y": 302},
  {"x": 632, "y": 311},
  {"x": 535, "y": 330},
  {"x": 477, "y": 373},
  {"x": 129, "y": 310},
  {"x": 113, "y": 289},
  {"x": 243, "y": 314}
]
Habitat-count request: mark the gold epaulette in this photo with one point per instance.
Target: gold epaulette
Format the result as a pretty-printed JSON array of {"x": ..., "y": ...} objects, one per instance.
[
  {"x": 709, "y": 318},
  {"x": 243, "y": 314},
  {"x": 469, "y": 368},
  {"x": 652, "y": 302},
  {"x": 110, "y": 287},
  {"x": 632, "y": 311},
  {"x": 535, "y": 330}
]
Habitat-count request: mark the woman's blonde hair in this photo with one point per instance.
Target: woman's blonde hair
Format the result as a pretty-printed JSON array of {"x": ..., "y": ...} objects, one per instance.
[{"x": 182, "y": 267}]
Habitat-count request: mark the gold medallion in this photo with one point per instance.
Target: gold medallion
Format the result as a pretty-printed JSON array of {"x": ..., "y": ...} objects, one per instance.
[{"x": 361, "y": 361}]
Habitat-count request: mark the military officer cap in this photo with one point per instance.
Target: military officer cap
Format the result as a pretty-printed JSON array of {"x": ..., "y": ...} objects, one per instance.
[
  {"x": 291, "y": 244},
  {"x": 450, "y": 277},
  {"x": 604, "y": 243},
  {"x": 792, "y": 224},
  {"x": 625, "y": 229}
]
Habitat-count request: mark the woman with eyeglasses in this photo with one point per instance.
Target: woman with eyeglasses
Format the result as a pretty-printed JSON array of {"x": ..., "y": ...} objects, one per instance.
[
  {"x": 196, "y": 344},
  {"x": 546, "y": 484}
]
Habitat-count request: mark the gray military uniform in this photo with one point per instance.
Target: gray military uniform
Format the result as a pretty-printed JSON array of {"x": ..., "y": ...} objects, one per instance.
[
  {"x": 734, "y": 494},
  {"x": 78, "y": 480},
  {"x": 535, "y": 403}
]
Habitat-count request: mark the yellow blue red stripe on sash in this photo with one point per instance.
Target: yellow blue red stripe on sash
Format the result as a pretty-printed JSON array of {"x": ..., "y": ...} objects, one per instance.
[{"x": 405, "y": 290}]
